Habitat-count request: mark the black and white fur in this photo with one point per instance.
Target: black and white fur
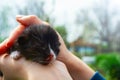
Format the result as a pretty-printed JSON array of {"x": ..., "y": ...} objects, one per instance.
[{"x": 36, "y": 43}]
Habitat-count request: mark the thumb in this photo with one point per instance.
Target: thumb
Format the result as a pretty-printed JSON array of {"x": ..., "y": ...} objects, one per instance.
[
  {"x": 22, "y": 20},
  {"x": 19, "y": 16},
  {"x": 28, "y": 20}
]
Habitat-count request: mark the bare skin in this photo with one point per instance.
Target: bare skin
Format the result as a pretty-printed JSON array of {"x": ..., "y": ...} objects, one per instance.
[
  {"x": 1, "y": 78},
  {"x": 76, "y": 67},
  {"x": 26, "y": 70}
]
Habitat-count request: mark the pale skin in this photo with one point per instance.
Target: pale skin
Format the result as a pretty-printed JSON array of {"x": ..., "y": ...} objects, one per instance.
[
  {"x": 76, "y": 67},
  {"x": 26, "y": 70},
  {"x": 1, "y": 78}
]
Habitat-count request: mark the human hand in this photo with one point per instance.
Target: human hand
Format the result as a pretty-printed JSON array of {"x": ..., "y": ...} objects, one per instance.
[
  {"x": 29, "y": 19},
  {"x": 7, "y": 43},
  {"x": 32, "y": 19}
]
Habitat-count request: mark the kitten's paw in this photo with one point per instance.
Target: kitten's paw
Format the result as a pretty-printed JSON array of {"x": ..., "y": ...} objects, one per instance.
[{"x": 15, "y": 55}]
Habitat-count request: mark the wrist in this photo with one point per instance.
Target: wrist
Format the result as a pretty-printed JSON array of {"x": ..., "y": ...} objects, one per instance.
[
  {"x": 65, "y": 57},
  {"x": 62, "y": 56}
]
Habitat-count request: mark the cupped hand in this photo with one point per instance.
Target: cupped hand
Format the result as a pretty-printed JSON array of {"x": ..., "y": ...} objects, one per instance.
[{"x": 32, "y": 19}]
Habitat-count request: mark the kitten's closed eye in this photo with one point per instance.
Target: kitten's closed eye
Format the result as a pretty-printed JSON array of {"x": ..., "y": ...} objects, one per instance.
[
  {"x": 54, "y": 56},
  {"x": 15, "y": 55}
]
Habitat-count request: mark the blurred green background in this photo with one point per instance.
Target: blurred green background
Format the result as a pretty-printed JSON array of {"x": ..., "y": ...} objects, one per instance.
[{"x": 90, "y": 28}]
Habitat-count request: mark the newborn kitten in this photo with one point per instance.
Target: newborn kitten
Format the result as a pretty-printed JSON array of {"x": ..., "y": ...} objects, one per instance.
[{"x": 38, "y": 43}]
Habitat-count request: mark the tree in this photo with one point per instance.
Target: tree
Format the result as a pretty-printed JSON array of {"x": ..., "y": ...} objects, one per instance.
[
  {"x": 105, "y": 17},
  {"x": 4, "y": 23},
  {"x": 33, "y": 7},
  {"x": 90, "y": 27},
  {"x": 36, "y": 7},
  {"x": 100, "y": 24},
  {"x": 116, "y": 38}
]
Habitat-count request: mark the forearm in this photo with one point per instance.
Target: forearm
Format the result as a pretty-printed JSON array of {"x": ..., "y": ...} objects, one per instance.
[{"x": 77, "y": 68}]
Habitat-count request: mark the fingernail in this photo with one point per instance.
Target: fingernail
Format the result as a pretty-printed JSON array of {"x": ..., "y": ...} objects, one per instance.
[{"x": 19, "y": 16}]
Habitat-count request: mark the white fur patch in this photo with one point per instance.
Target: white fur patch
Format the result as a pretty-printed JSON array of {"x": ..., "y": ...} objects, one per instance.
[
  {"x": 15, "y": 55},
  {"x": 52, "y": 52}
]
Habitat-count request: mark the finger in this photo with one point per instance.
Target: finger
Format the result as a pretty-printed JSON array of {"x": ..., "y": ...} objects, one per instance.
[
  {"x": 5, "y": 45},
  {"x": 28, "y": 20},
  {"x": 19, "y": 16},
  {"x": 46, "y": 23}
]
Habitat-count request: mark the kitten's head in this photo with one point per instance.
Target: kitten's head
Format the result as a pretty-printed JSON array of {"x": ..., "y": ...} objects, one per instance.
[{"x": 37, "y": 43}]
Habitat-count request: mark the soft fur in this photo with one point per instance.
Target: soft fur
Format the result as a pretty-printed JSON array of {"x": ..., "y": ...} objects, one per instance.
[{"x": 36, "y": 43}]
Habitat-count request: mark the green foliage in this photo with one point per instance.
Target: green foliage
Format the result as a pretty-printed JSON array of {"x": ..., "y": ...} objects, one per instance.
[
  {"x": 62, "y": 31},
  {"x": 4, "y": 22},
  {"x": 110, "y": 65},
  {"x": 1, "y": 39}
]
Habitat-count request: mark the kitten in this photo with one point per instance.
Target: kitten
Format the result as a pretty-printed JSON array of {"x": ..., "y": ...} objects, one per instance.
[{"x": 38, "y": 43}]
